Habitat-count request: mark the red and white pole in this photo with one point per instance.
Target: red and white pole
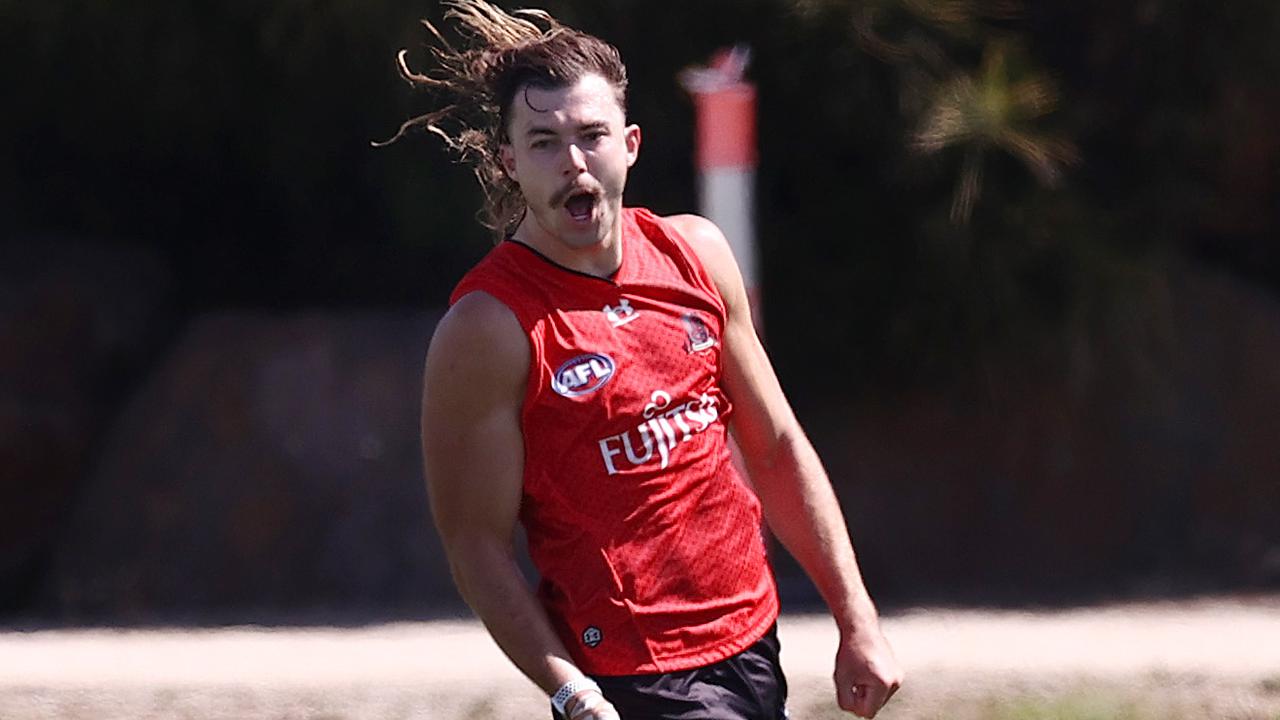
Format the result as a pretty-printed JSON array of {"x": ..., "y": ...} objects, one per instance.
[{"x": 725, "y": 106}]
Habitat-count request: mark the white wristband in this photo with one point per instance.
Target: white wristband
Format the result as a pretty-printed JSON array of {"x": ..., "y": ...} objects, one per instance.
[{"x": 569, "y": 689}]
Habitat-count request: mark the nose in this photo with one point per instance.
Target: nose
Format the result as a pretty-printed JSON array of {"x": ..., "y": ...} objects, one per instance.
[{"x": 577, "y": 161}]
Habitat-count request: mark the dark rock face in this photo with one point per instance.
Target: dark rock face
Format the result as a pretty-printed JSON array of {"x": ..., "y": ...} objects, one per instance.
[
  {"x": 1233, "y": 371},
  {"x": 1151, "y": 465},
  {"x": 78, "y": 324},
  {"x": 269, "y": 470}
]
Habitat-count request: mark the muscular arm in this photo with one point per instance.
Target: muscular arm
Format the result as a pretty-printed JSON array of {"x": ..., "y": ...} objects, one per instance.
[
  {"x": 799, "y": 503},
  {"x": 473, "y": 389}
]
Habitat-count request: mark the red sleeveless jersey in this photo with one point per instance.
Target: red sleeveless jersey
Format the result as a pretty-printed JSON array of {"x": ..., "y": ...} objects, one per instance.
[{"x": 647, "y": 541}]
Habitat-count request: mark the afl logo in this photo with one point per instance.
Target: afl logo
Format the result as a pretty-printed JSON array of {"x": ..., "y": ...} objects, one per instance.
[{"x": 583, "y": 374}]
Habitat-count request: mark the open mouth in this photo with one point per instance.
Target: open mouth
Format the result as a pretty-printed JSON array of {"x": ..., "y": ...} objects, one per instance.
[{"x": 580, "y": 206}]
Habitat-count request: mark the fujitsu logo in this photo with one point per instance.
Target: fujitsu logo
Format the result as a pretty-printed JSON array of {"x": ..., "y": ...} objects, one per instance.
[{"x": 663, "y": 428}]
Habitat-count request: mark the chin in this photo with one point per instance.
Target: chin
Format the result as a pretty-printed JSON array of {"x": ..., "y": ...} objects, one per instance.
[
  {"x": 585, "y": 234},
  {"x": 582, "y": 238}
]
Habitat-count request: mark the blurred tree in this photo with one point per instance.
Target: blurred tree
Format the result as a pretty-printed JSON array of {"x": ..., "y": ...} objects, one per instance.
[
  {"x": 982, "y": 106},
  {"x": 916, "y": 155},
  {"x": 234, "y": 137},
  {"x": 955, "y": 196},
  {"x": 993, "y": 111}
]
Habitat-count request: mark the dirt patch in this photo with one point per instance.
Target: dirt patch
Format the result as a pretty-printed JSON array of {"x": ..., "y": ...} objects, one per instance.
[{"x": 1211, "y": 658}]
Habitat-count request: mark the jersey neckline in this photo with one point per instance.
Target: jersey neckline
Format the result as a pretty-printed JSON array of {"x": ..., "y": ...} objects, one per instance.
[{"x": 614, "y": 278}]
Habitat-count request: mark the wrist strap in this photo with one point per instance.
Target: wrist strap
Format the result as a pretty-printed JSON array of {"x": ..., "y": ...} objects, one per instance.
[{"x": 569, "y": 689}]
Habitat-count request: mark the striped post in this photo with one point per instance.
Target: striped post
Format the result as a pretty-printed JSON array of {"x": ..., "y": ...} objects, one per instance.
[{"x": 725, "y": 107}]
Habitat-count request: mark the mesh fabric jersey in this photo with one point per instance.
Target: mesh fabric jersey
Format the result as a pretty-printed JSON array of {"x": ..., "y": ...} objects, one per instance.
[{"x": 647, "y": 540}]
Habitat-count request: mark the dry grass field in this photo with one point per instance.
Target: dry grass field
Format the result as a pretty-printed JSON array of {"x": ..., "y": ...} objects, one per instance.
[{"x": 1209, "y": 658}]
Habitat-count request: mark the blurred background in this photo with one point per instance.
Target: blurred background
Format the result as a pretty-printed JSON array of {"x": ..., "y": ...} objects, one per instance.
[{"x": 1019, "y": 261}]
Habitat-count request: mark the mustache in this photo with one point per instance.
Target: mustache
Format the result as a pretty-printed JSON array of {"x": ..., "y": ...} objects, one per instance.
[{"x": 571, "y": 189}]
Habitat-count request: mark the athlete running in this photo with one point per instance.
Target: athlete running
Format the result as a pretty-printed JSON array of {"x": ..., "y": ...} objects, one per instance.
[{"x": 583, "y": 383}]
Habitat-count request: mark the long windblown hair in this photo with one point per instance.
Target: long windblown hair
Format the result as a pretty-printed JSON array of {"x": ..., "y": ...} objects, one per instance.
[{"x": 477, "y": 83}]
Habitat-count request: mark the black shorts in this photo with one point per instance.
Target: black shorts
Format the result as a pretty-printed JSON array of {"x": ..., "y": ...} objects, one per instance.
[{"x": 746, "y": 686}]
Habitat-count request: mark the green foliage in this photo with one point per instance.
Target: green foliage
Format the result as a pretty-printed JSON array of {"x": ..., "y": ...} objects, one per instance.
[
  {"x": 1041, "y": 165},
  {"x": 941, "y": 181},
  {"x": 993, "y": 110},
  {"x": 234, "y": 135}
]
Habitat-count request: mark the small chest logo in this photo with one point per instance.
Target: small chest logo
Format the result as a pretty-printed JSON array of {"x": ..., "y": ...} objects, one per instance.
[
  {"x": 583, "y": 374},
  {"x": 700, "y": 337},
  {"x": 620, "y": 314},
  {"x": 592, "y": 636}
]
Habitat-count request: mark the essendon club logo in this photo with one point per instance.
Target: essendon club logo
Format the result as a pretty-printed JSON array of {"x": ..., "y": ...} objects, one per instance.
[
  {"x": 700, "y": 337},
  {"x": 583, "y": 374}
]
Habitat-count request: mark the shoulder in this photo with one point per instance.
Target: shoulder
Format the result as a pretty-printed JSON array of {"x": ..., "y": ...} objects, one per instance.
[
  {"x": 478, "y": 306},
  {"x": 697, "y": 229},
  {"x": 479, "y": 339},
  {"x": 499, "y": 272},
  {"x": 712, "y": 248}
]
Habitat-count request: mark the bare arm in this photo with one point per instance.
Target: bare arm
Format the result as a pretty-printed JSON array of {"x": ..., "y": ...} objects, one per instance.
[
  {"x": 473, "y": 390},
  {"x": 799, "y": 503}
]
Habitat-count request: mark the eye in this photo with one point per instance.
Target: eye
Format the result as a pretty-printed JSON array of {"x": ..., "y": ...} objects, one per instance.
[{"x": 540, "y": 144}]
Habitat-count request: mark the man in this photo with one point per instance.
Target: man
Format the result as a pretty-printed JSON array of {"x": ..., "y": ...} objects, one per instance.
[{"x": 581, "y": 382}]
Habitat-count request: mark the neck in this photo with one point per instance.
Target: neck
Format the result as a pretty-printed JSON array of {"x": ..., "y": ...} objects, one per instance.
[{"x": 600, "y": 257}]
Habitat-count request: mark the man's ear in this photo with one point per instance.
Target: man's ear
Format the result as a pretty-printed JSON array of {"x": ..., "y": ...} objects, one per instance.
[
  {"x": 631, "y": 136},
  {"x": 507, "y": 156}
]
